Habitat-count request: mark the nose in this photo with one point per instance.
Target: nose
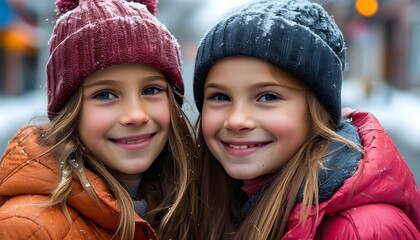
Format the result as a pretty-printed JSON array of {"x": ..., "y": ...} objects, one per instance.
[
  {"x": 134, "y": 113},
  {"x": 240, "y": 119}
]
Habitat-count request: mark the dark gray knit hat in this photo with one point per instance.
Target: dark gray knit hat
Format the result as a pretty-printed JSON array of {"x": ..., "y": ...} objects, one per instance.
[{"x": 296, "y": 35}]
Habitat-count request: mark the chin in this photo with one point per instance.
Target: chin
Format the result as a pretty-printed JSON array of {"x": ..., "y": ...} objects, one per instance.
[{"x": 241, "y": 175}]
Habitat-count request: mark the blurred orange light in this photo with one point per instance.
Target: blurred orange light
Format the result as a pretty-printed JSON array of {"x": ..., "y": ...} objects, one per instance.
[{"x": 366, "y": 8}]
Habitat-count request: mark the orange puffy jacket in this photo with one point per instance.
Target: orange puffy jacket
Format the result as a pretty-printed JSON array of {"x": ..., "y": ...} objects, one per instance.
[{"x": 25, "y": 180}]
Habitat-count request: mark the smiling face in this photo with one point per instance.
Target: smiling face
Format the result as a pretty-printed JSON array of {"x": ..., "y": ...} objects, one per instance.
[
  {"x": 125, "y": 118},
  {"x": 253, "y": 120}
]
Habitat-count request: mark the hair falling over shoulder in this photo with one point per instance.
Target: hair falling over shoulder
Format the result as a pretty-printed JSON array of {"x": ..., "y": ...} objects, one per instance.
[
  {"x": 222, "y": 198},
  {"x": 173, "y": 180},
  {"x": 167, "y": 186}
]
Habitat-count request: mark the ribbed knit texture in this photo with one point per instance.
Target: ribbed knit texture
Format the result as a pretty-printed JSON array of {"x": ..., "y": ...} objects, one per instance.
[
  {"x": 298, "y": 36},
  {"x": 100, "y": 33}
]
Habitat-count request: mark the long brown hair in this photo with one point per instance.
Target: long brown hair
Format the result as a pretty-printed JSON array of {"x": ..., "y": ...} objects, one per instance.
[
  {"x": 222, "y": 198},
  {"x": 167, "y": 186}
]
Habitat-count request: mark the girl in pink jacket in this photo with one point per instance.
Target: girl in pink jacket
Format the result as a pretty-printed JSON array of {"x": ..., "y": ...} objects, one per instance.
[{"x": 279, "y": 161}]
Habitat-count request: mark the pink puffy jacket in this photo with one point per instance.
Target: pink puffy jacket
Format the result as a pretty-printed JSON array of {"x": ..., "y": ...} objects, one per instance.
[{"x": 382, "y": 203}]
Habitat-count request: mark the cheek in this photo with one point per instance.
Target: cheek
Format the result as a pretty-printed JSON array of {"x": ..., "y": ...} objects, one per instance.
[
  {"x": 288, "y": 141},
  {"x": 161, "y": 114},
  {"x": 293, "y": 129},
  {"x": 94, "y": 122},
  {"x": 209, "y": 123},
  {"x": 207, "y": 132},
  {"x": 165, "y": 119}
]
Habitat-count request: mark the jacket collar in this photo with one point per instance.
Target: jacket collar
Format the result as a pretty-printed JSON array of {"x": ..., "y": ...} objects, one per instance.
[{"x": 339, "y": 164}]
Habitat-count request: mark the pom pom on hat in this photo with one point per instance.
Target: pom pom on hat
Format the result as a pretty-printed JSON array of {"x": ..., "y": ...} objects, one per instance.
[
  {"x": 64, "y": 6},
  {"x": 96, "y": 34},
  {"x": 150, "y": 4}
]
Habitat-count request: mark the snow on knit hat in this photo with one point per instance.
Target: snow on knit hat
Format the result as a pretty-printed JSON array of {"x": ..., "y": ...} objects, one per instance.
[
  {"x": 95, "y": 34},
  {"x": 298, "y": 36}
]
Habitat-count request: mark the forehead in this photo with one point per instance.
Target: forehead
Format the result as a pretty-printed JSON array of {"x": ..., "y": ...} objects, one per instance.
[
  {"x": 253, "y": 69},
  {"x": 120, "y": 71}
]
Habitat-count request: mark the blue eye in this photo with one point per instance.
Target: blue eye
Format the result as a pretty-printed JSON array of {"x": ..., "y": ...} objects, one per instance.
[
  {"x": 151, "y": 91},
  {"x": 219, "y": 97},
  {"x": 268, "y": 97},
  {"x": 104, "y": 96}
]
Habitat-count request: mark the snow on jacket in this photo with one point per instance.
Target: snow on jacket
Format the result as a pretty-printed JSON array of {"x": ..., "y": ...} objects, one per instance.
[
  {"x": 382, "y": 203},
  {"x": 26, "y": 178}
]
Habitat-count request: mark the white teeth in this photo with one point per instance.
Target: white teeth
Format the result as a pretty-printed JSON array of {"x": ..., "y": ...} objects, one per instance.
[
  {"x": 242, "y": 146},
  {"x": 238, "y": 147},
  {"x": 134, "y": 141}
]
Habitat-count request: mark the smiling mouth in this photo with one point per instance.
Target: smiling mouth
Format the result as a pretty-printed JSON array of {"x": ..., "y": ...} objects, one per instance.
[
  {"x": 244, "y": 149},
  {"x": 245, "y": 146},
  {"x": 131, "y": 141}
]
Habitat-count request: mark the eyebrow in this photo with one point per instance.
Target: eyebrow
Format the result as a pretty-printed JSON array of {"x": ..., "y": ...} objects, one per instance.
[
  {"x": 110, "y": 81},
  {"x": 258, "y": 85}
]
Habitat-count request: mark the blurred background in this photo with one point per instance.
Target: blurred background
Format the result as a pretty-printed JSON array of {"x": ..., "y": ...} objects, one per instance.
[{"x": 382, "y": 37}]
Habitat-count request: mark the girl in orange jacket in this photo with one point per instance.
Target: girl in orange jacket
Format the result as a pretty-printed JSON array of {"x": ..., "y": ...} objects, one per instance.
[{"x": 114, "y": 160}]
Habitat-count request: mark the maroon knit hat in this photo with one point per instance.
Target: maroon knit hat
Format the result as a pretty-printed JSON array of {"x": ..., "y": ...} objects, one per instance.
[{"x": 95, "y": 34}]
